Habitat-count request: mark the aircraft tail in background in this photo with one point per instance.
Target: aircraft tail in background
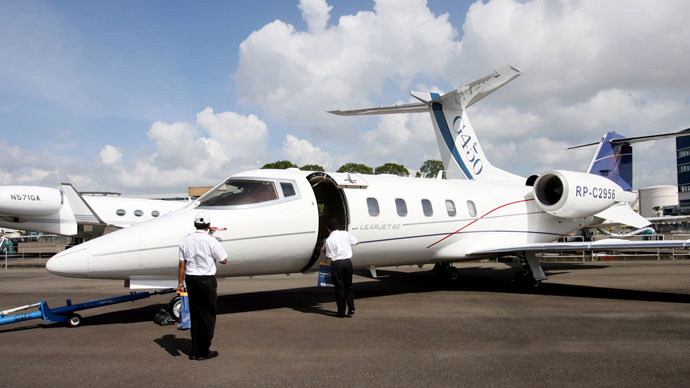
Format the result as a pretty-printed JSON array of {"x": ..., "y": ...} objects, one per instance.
[
  {"x": 613, "y": 161},
  {"x": 613, "y": 158},
  {"x": 461, "y": 153}
]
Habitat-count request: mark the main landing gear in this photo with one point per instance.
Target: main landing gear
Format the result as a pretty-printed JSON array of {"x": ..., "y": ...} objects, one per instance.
[
  {"x": 447, "y": 271},
  {"x": 531, "y": 274},
  {"x": 525, "y": 278}
]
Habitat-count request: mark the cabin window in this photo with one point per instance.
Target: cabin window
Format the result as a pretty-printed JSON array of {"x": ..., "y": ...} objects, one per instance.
[
  {"x": 241, "y": 192},
  {"x": 450, "y": 207},
  {"x": 373, "y": 206},
  {"x": 401, "y": 206},
  {"x": 426, "y": 207},
  {"x": 155, "y": 213},
  {"x": 288, "y": 189},
  {"x": 471, "y": 208},
  {"x": 120, "y": 212},
  {"x": 138, "y": 213}
]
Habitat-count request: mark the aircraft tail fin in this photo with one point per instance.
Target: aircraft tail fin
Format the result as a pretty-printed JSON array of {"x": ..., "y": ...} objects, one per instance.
[
  {"x": 614, "y": 155},
  {"x": 461, "y": 153},
  {"x": 613, "y": 160},
  {"x": 83, "y": 213}
]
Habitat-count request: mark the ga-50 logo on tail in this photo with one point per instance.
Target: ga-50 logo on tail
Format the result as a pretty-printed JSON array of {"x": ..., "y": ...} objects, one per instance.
[{"x": 468, "y": 145}]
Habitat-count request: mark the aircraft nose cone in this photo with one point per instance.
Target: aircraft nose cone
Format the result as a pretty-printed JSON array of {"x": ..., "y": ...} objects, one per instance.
[{"x": 71, "y": 262}]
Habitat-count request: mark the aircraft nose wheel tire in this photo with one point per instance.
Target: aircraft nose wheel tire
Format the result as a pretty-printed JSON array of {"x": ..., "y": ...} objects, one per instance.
[
  {"x": 174, "y": 307},
  {"x": 74, "y": 320}
]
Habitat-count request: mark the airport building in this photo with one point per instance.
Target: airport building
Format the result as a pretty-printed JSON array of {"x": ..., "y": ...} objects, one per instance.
[{"x": 683, "y": 171}]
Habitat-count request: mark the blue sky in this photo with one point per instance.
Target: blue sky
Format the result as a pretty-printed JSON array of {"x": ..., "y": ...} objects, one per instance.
[{"x": 154, "y": 96}]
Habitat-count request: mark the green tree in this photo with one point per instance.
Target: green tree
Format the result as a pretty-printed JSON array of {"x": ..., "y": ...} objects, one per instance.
[
  {"x": 280, "y": 165},
  {"x": 312, "y": 167},
  {"x": 392, "y": 168},
  {"x": 356, "y": 168},
  {"x": 430, "y": 168}
]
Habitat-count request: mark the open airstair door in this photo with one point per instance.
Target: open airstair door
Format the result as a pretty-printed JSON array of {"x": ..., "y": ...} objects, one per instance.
[{"x": 331, "y": 202}]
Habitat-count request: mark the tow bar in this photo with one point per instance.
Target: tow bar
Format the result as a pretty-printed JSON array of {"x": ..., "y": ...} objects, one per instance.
[{"x": 67, "y": 313}]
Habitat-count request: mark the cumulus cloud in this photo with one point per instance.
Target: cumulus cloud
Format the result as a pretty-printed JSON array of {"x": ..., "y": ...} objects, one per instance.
[
  {"x": 316, "y": 14},
  {"x": 579, "y": 47},
  {"x": 20, "y": 167},
  {"x": 34, "y": 176},
  {"x": 110, "y": 155},
  {"x": 200, "y": 153},
  {"x": 298, "y": 75},
  {"x": 589, "y": 67},
  {"x": 301, "y": 152}
]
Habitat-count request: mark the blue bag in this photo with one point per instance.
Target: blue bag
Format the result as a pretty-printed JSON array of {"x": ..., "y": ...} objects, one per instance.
[
  {"x": 185, "y": 321},
  {"x": 325, "y": 276}
]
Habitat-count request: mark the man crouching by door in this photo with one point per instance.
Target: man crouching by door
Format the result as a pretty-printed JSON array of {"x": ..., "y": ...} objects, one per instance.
[
  {"x": 339, "y": 249},
  {"x": 199, "y": 252}
]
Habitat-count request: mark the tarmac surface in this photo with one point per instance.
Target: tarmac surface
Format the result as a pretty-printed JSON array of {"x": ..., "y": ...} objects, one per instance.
[{"x": 616, "y": 324}]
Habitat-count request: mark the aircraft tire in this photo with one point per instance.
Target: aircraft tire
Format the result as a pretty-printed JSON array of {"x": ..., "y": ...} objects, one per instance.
[
  {"x": 74, "y": 320},
  {"x": 453, "y": 274},
  {"x": 525, "y": 279},
  {"x": 174, "y": 307}
]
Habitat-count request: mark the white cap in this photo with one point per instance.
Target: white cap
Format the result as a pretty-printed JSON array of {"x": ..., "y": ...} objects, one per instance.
[{"x": 202, "y": 218}]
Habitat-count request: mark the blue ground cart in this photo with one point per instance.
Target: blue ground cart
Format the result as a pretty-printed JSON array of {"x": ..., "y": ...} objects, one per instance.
[{"x": 67, "y": 313}]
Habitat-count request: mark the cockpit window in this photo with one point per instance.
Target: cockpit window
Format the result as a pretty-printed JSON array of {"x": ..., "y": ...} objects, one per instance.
[{"x": 241, "y": 192}]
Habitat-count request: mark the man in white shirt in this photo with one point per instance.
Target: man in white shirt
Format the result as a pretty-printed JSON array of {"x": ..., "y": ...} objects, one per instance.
[
  {"x": 339, "y": 249},
  {"x": 199, "y": 252}
]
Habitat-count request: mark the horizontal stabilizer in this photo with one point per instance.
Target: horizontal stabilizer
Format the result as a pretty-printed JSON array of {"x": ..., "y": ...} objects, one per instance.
[
  {"x": 639, "y": 139},
  {"x": 623, "y": 214},
  {"x": 382, "y": 110},
  {"x": 465, "y": 96}
]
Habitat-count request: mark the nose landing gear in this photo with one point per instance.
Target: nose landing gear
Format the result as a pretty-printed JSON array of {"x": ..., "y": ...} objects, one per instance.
[{"x": 174, "y": 307}]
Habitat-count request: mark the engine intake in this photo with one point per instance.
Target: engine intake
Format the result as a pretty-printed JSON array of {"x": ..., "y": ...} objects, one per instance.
[{"x": 570, "y": 194}]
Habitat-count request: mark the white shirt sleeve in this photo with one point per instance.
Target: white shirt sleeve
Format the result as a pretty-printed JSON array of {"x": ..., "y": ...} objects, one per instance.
[
  {"x": 218, "y": 252},
  {"x": 181, "y": 253},
  {"x": 353, "y": 239}
]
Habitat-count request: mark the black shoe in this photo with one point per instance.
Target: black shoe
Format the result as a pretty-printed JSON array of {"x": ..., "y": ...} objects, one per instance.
[
  {"x": 340, "y": 315},
  {"x": 193, "y": 357},
  {"x": 211, "y": 354},
  {"x": 351, "y": 313}
]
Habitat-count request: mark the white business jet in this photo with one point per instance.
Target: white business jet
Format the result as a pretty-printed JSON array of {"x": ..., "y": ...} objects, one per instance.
[
  {"x": 276, "y": 219},
  {"x": 66, "y": 212}
]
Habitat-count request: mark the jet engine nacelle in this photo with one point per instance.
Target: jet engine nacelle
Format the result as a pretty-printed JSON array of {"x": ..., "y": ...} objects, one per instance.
[
  {"x": 570, "y": 194},
  {"x": 29, "y": 200}
]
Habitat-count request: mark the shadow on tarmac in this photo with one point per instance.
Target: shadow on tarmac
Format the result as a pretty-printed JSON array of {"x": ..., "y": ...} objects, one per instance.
[
  {"x": 175, "y": 346},
  {"x": 309, "y": 300}
]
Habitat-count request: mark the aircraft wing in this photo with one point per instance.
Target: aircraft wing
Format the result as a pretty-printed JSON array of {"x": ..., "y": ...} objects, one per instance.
[
  {"x": 416, "y": 107},
  {"x": 606, "y": 244}
]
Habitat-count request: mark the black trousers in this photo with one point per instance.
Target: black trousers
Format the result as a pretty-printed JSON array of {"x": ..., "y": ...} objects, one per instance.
[
  {"x": 342, "y": 280},
  {"x": 202, "y": 311}
]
